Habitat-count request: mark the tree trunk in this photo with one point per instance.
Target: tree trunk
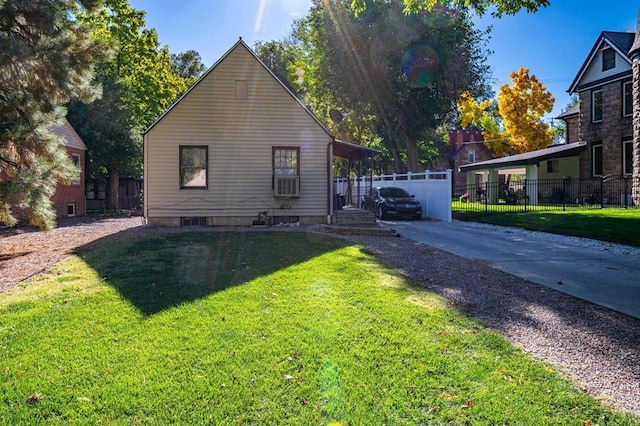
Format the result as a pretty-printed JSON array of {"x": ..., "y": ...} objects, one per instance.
[
  {"x": 412, "y": 154},
  {"x": 635, "y": 191},
  {"x": 114, "y": 180}
]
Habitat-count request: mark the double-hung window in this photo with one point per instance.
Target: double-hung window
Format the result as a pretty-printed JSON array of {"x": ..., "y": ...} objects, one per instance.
[
  {"x": 596, "y": 159},
  {"x": 596, "y": 106},
  {"x": 471, "y": 156},
  {"x": 194, "y": 163},
  {"x": 286, "y": 171},
  {"x": 285, "y": 161}
]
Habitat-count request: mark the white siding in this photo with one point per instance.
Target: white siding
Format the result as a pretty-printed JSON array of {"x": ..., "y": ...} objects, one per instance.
[
  {"x": 240, "y": 135},
  {"x": 594, "y": 70}
]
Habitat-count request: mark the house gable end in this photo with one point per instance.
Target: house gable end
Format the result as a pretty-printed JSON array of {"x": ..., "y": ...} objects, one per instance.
[
  {"x": 240, "y": 44},
  {"x": 592, "y": 70}
]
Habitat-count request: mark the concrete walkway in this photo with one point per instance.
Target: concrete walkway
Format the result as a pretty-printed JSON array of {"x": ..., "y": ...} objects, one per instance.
[{"x": 602, "y": 276}]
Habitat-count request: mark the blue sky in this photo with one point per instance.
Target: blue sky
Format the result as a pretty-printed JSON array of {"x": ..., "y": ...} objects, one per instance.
[{"x": 553, "y": 43}]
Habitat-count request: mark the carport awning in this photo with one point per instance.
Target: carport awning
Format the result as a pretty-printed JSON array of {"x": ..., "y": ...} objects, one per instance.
[
  {"x": 352, "y": 151},
  {"x": 528, "y": 158}
]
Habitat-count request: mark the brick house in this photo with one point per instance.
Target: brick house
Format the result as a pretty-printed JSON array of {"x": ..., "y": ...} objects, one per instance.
[
  {"x": 604, "y": 113},
  {"x": 69, "y": 200},
  {"x": 465, "y": 147}
]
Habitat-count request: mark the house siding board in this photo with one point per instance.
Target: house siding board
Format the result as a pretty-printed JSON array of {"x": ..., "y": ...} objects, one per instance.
[
  {"x": 594, "y": 71},
  {"x": 240, "y": 135}
]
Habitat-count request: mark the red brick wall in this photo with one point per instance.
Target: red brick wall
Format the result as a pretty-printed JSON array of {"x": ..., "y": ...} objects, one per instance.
[
  {"x": 461, "y": 143},
  {"x": 72, "y": 193}
]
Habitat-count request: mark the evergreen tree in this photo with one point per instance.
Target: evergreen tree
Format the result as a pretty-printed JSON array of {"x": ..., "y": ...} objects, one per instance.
[{"x": 45, "y": 60}]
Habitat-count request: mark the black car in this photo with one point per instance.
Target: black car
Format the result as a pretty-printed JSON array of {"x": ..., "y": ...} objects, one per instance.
[{"x": 392, "y": 201}]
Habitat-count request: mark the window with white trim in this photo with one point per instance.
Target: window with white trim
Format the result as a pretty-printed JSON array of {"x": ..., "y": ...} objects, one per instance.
[
  {"x": 596, "y": 106},
  {"x": 596, "y": 159},
  {"x": 194, "y": 163},
  {"x": 471, "y": 156}
]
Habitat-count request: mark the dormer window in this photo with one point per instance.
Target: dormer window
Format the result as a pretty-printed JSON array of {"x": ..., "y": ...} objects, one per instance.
[{"x": 608, "y": 59}]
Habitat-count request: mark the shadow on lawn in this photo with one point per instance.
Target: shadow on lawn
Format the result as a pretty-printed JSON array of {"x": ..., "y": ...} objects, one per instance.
[{"x": 163, "y": 269}]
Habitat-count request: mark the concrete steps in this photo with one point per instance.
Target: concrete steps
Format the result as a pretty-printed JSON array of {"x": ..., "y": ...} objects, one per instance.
[{"x": 355, "y": 217}]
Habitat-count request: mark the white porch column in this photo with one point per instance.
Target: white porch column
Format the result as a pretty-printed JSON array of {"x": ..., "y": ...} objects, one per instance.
[{"x": 532, "y": 183}]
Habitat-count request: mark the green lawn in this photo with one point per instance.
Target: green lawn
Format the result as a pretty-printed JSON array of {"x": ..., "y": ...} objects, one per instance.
[
  {"x": 260, "y": 328},
  {"x": 610, "y": 224}
]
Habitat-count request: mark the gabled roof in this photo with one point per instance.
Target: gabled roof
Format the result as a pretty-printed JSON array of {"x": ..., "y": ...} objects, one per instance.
[
  {"x": 70, "y": 136},
  {"x": 621, "y": 42},
  {"x": 528, "y": 158},
  {"x": 239, "y": 44}
]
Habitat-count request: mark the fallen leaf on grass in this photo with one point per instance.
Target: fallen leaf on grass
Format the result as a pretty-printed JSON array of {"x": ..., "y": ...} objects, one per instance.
[{"x": 34, "y": 398}]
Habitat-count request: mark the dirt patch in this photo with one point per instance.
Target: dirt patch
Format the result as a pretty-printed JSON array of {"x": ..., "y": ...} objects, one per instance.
[{"x": 26, "y": 251}]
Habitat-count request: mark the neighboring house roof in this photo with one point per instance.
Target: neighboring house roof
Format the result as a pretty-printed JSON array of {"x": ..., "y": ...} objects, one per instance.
[
  {"x": 528, "y": 158},
  {"x": 619, "y": 41},
  {"x": 71, "y": 138},
  {"x": 573, "y": 110}
]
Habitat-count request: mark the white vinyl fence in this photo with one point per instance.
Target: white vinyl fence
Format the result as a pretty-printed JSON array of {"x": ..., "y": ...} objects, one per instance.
[{"x": 432, "y": 189}]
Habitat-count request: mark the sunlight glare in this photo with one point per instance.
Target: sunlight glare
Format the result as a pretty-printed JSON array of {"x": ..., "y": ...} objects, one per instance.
[{"x": 260, "y": 15}]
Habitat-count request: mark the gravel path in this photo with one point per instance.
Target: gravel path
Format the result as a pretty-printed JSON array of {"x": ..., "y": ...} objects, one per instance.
[{"x": 598, "y": 348}]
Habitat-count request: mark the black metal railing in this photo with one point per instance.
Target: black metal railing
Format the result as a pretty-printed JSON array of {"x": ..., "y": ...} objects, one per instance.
[{"x": 544, "y": 194}]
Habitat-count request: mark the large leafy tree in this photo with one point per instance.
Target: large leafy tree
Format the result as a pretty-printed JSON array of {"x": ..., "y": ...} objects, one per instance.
[
  {"x": 517, "y": 125},
  {"x": 292, "y": 60},
  {"x": 45, "y": 59},
  {"x": 405, "y": 71},
  {"x": 139, "y": 81},
  {"x": 500, "y": 7},
  {"x": 188, "y": 65}
]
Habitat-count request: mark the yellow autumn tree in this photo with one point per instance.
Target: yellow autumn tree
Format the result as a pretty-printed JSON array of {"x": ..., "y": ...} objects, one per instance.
[
  {"x": 517, "y": 125},
  {"x": 522, "y": 107}
]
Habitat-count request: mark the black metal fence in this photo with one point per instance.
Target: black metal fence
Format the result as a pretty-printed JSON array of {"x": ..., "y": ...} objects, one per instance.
[{"x": 545, "y": 194}]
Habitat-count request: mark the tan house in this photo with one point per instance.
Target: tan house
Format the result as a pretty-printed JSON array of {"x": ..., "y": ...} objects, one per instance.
[{"x": 238, "y": 147}]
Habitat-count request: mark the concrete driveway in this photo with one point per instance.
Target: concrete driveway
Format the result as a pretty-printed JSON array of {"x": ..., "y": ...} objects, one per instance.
[{"x": 608, "y": 275}]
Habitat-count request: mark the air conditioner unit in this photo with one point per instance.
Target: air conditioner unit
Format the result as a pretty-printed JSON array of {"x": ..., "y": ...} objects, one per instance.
[{"x": 286, "y": 187}]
